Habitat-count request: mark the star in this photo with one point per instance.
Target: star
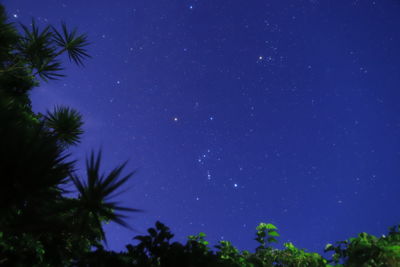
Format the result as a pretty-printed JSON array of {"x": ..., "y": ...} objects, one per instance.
[
  {"x": 175, "y": 119},
  {"x": 208, "y": 175}
]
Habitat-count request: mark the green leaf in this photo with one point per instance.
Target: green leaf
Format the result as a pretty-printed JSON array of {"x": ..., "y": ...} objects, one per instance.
[
  {"x": 273, "y": 233},
  {"x": 289, "y": 245},
  {"x": 328, "y": 247},
  {"x": 271, "y": 227},
  {"x": 265, "y": 226}
]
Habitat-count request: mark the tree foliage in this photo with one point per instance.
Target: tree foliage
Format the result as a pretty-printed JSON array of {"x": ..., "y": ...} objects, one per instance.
[
  {"x": 41, "y": 226},
  {"x": 156, "y": 249}
]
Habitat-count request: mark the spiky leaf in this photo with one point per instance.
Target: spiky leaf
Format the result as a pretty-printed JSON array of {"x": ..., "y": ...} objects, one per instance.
[
  {"x": 66, "y": 124},
  {"x": 96, "y": 191},
  {"x": 73, "y": 43}
]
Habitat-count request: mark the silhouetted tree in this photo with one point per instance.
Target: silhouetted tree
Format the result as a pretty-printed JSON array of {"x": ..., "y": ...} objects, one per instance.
[{"x": 39, "y": 225}]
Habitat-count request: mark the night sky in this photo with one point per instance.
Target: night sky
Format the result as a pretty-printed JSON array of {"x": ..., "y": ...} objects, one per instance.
[{"x": 238, "y": 112}]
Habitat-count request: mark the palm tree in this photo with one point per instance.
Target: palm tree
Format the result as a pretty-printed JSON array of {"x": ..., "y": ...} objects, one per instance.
[
  {"x": 37, "y": 51},
  {"x": 32, "y": 165},
  {"x": 35, "y": 214},
  {"x": 33, "y": 54},
  {"x": 95, "y": 194}
]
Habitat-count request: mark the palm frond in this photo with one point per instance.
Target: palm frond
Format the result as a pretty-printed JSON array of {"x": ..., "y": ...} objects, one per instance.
[
  {"x": 73, "y": 43},
  {"x": 98, "y": 189},
  {"x": 50, "y": 70},
  {"x": 36, "y": 46},
  {"x": 66, "y": 124}
]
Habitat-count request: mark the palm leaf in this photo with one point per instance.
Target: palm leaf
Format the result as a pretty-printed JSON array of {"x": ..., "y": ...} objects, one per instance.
[
  {"x": 97, "y": 190},
  {"x": 66, "y": 124},
  {"x": 37, "y": 47},
  {"x": 49, "y": 70},
  {"x": 73, "y": 43}
]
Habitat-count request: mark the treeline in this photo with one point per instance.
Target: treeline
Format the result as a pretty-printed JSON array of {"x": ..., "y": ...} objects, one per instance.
[{"x": 41, "y": 226}]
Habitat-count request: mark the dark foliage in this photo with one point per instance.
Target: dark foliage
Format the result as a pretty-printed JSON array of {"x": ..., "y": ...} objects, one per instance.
[
  {"x": 156, "y": 249},
  {"x": 65, "y": 123},
  {"x": 94, "y": 195},
  {"x": 71, "y": 42},
  {"x": 39, "y": 225}
]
